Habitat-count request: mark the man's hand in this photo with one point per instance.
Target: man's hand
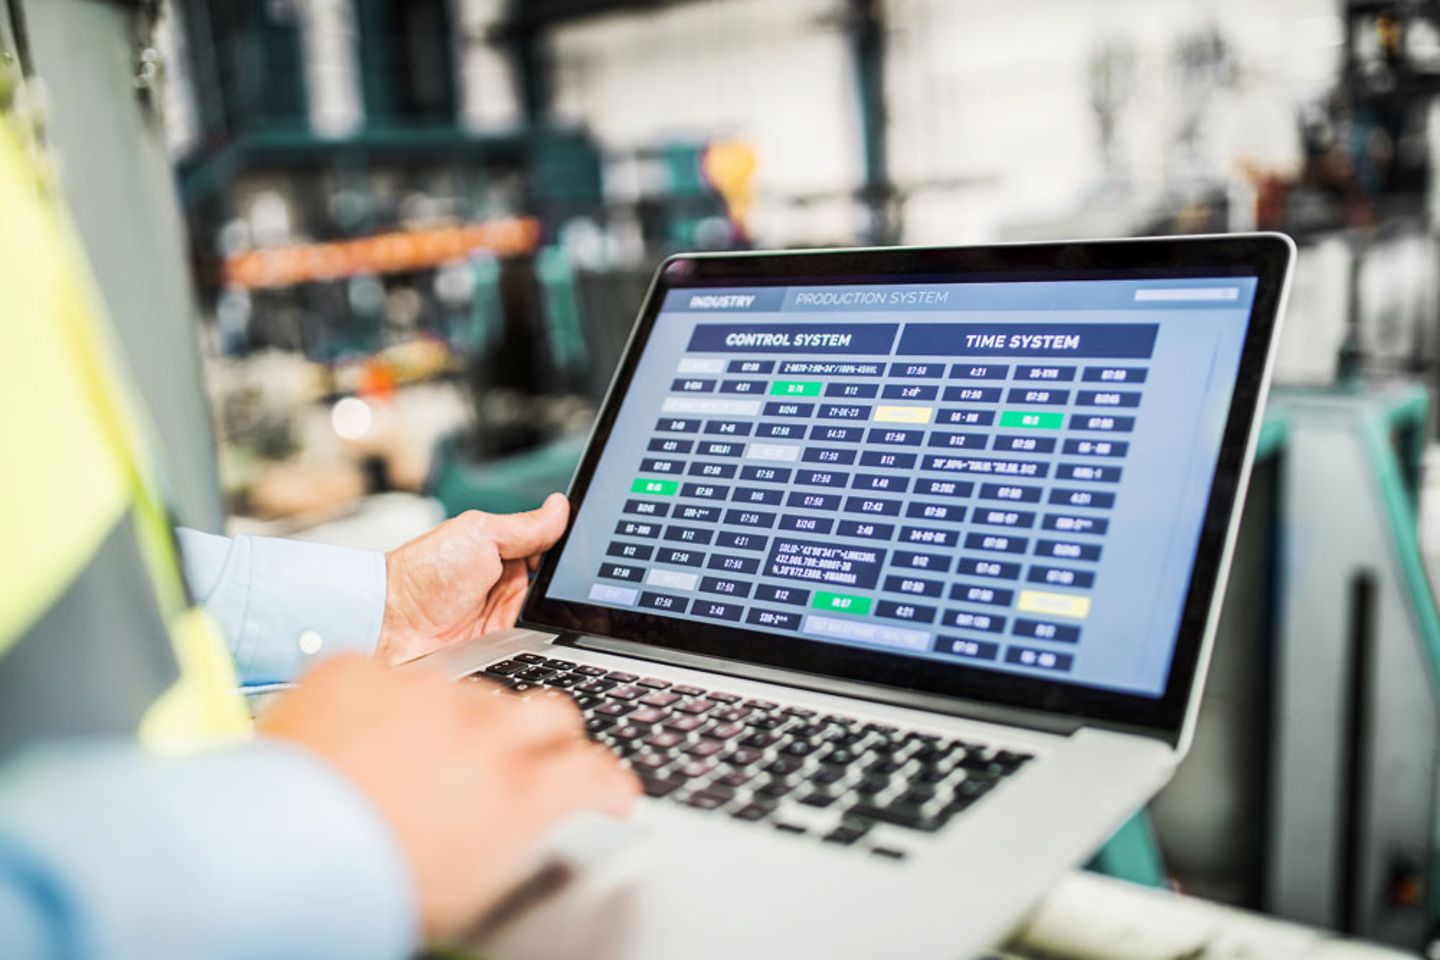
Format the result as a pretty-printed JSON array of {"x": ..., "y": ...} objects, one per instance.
[
  {"x": 469, "y": 781},
  {"x": 466, "y": 577}
]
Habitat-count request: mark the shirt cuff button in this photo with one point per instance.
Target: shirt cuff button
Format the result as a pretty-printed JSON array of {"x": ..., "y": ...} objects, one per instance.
[{"x": 310, "y": 643}]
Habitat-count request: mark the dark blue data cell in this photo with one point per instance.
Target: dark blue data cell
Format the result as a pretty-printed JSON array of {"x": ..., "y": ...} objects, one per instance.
[
  {"x": 821, "y": 478},
  {"x": 693, "y": 386},
  {"x": 979, "y": 371},
  {"x": 750, "y": 518},
  {"x": 671, "y": 425},
  {"x": 959, "y": 441},
  {"x": 813, "y": 501},
  {"x": 993, "y": 569},
  {"x": 944, "y": 488},
  {"x": 852, "y": 391},
  {"x": 964, "y": 417},
  {"x": 1044, "y": 372},
  {"x": 791, "y": 595},
  {"x": 844, "y": 411},
  {"x": 715, "y": 610},
  {"x": 731, "y": 564},
  {"x": 1068, "y": 497},
  {"x": 719, "y": 471},
  {"x": 1044, "y": 630},
  {"x": 924, "y": 371},
  {"x": 929, "y": 536},
  {"x": 987, "y": 596},
  {"x": 1070, "y": 523},
  {"x": 729, "y": 428},
  {"x": 1061, "y": 577},
  {"x": 1097, "y": 448},
  {"x": 969, "y": 649},
  {"x": 952, "y": 463},
  {"x": 616, "y": 571},
  {"x": 873, "y": 506},
  {"x": 719, "y": 448},
  {"x": 634, "y": 528},
  {"x": 996, "y": 543},
  {"x": 1127, "y": 399},
  {"x": 765, "y": 474},
  {"x": 917, "y": 586},
  {"x": 872, "y": 339},
  {"x": 647, "y": 508},
  {"x": 1088, "y": 472},
  {"x": 903, "y": 438},
  {"x": 1101, "y": 423},
  {"x": 788, "y": 408},
  {"x": 910, "y": 391},
  {"x": 1114, "y": 375},
  {"x": 971, "y": 620},
  {"x": 773, "y": 619},
  {"x": 910, "y": 560},
  {"x": 938, "y": 512},
  {"x": 1033, "y": 340},
  {"x": 1019, "y": 519},
  {"x": 884, "y": 482},
  {"x": 831, "y": 434},
  {"x": 804, "y": 524},
  {"x": 704, "y": 491},
  {"x": 630, "y": 551},
  {"x": 667, "y": 602},
  {"x": 759, "y": 495},
  {"x": 678, "y": 557},
  {"x": 752, "y": 387},
  {"x": 681, "y": 534},
  {"x": 835, "y": 455},
  {"x": 865, "y": 530},
  {"x": 670, "y": 445},
  {"x": 903, "y": 610},
  {"x": 1019, "y": 443},
  {"x": 781, "y": 431},
  {"x": 661, "y": 465},
  {"x": 830, "y": 368},
  {"x": 695, "y": 514},
  {"x": 736, "y": 540},
  {"x": 1039, "y": 659},
  {"x": 972, "y": 394},
  {"x": 1038, "y": 396},
  {"x": 725, "y": 586},
  {"x": 891, "y": 461},
  {"x": 750, "y": 366},
  {"x": 1010, "y": 492},
  {"x": 1067, "y": 550}
]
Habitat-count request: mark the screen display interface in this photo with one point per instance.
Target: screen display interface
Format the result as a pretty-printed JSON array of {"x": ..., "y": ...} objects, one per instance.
[{"x": 1006, "y": 476}]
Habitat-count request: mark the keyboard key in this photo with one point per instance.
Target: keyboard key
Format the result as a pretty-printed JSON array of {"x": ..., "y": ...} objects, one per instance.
[
  {"x": 794, "y": 828},
  {"x": 648, "y": 715},
  {"x": 726, "y": 698},
  {"x": 705, "y": 748},
  {"x": 685, "y": 691},
  {"x": 723, "y": 731},
  {"x": 706, "y": 800},
  {"x": 614, "y": 708},
  {"x": 505, "y": 668},
  {"x": 658, "y": 786},
  {"x": 684, "y": 724},
  {"x": 898, "y": 814},
  {"x": 846, "y": 834},
  {"x": 693, "y": 707},
  {"x": 626, "y": 693},
  {"x": 660, "y": 699},
  {"x": 665, "y": 740},
  {"x": 753, "y": 812},
  {"x": 695, "y": 769},
  {"x": 619, "y": 676},
  {"x": 590, "y": 671},
  {"x": 888, "y": 853},
  {"x": 560, "y": 664},
  {"x": 653, "y": 683},
  {"x": 743, "y": 757},
  {"x": 819, "y": 799},
  {"x": 529, "y": 658},
  {"x": 594, "y": 686}
]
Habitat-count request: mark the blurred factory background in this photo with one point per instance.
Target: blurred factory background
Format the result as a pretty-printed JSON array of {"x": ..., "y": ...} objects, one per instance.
[{"x": 420, "y": 230}]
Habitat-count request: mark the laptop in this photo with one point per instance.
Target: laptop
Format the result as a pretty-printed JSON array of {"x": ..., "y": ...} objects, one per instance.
[{"x": 893, "y": 574}]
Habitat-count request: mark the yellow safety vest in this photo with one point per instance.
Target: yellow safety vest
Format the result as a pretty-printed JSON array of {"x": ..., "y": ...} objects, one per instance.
[{"x": 73, "y": 473}]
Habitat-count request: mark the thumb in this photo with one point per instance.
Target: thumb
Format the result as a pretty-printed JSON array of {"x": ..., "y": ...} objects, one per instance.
[{"x": 518, "y": 535}]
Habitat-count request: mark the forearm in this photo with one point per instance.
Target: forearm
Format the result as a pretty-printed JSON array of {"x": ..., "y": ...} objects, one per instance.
[
  {"x": 285, "y": 604},
  {"x": 252, "y": 851}
]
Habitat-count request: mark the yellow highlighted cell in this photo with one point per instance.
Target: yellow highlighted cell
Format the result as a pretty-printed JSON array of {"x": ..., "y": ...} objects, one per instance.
[
  {"x": 903, "y": 414},
  {"x": 1054, "y": 604}
]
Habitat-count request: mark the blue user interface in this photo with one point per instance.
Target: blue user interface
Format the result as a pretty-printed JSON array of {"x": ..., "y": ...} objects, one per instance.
[{"x": 1010, "y": 476}]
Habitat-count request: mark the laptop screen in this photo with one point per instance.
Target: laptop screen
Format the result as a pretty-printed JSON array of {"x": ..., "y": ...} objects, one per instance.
[{"x": 1003, "y": 476}]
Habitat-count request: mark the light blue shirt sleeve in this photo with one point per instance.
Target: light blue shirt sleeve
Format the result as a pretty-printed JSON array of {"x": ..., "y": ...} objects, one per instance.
[
  {"x": 253, "y": 851},
  {"x": 286, "y": 604}
]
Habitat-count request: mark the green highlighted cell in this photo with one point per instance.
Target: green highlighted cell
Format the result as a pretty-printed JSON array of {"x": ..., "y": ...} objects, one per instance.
[
  {"x": 840, "y": 603},
  {"x": 795, "y": 388},
  {"x": 1027, "y": 420},
  {"x": 658, "y": 488}
]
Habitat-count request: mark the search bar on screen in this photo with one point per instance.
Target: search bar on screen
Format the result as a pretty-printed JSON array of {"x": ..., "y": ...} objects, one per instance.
[{"x": 1188, "y": 293}]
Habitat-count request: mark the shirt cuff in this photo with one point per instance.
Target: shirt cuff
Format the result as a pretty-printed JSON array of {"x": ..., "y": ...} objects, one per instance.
[
  {"x": 251, "y": 851},
  {"x": 284, "y": 605}
]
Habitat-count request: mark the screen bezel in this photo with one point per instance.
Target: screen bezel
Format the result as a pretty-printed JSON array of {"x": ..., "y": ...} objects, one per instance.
[{"x": 1265, "y": 257}]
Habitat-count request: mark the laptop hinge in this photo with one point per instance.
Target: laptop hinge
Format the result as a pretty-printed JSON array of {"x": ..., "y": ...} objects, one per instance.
[{"x": 892, "y": 696}]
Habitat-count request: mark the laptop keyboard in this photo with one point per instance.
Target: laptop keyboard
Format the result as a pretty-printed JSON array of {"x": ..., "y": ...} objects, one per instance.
[{"x": 790, "y": 768}]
